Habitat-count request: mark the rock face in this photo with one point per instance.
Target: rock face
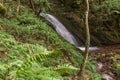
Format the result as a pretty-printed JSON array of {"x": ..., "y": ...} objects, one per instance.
[{"x": 104, "y": 27}]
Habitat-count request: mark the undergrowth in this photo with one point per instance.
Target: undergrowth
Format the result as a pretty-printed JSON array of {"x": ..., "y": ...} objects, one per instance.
[
  {"x": 29, "y": 61},
  {"x": 31, "y": 50}
]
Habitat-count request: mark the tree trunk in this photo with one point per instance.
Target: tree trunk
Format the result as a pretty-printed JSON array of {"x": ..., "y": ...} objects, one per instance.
[
  {"x": 18, "y": 8},
  {"x": 81, "y": 73}
]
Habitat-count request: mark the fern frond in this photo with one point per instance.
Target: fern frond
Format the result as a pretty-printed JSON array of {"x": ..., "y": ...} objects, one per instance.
[
  {"x": 41, "y": 57},
  {"x": 65, "y": 69}
]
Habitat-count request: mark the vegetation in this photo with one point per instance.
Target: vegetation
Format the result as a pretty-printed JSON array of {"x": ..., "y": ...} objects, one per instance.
[
  {"x": 2, "y": 10},
  {"x": 31, "y": 50},
  {"x": 103, "y": 19}
]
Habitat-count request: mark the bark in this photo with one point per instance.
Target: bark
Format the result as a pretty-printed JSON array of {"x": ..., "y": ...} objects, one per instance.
[{"x": 81, "y": 73}]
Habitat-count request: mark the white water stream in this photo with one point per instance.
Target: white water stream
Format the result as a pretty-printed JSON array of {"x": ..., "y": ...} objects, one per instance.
[{"x": 61, "y": 30}]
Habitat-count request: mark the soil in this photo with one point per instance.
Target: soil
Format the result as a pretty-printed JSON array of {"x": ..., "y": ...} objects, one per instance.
[{"x": 105, "y": 57}]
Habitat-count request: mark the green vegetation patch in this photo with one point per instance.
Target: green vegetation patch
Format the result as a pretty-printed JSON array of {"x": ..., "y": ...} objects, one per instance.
[{"x": 31, "y": 50}]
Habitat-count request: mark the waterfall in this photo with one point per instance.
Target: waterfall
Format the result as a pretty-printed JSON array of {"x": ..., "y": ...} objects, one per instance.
[{"x": 61, "y": 30}]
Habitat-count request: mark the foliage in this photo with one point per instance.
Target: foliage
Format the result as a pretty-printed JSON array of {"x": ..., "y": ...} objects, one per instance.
[
  {"x": 31, "y": 49},
  {"x": 111, "y": 6},
  {"x": 104, "y": 15},
  {"x": 2, "y": 10},
  {"x": 78, "y": 1},
  {"x": 116, "y": 64},
  {"x": 24, "y": 61},
  {"x": 11, "y": 9},
  {"x": 30, "y": 29},
  {"x": 92, "y": 71},
  {"x": 104, "y": 19},
  {"x": 45, "y": 6},
  {"x": 117, "y": 69}
]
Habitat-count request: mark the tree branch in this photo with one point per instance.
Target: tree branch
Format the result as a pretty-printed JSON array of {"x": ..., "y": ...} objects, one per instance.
[{"x": 81, "y": 73}]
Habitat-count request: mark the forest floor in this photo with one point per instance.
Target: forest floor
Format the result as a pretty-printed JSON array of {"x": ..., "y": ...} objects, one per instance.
[{"x": 108, "y": 61}]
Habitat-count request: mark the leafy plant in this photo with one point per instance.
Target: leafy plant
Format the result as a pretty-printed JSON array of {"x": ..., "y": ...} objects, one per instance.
[
  {"x": 111, "y": 6},
  {"x": 24, "y": 57},
  {"x": 26, "y": 61},
  {"x": 116, "y": 64},
  {"x": 91, "y": 69}
]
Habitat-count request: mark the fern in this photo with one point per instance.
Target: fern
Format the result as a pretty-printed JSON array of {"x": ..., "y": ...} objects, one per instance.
[
  {"x": 22, "y": 57},
  {"x": 41, "y": 57},
  {"x": 91, "y": 70},
  {"x": 25, "y": 40},
  {"x": 31, "y": 32}
]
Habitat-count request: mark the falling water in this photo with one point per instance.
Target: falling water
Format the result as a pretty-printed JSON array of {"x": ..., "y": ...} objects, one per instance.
[{"x": 60, "y": 28}]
